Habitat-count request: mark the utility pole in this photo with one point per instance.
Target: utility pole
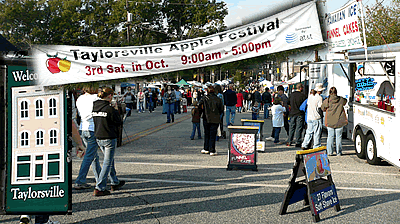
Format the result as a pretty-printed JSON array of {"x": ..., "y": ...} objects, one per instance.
[{"x": 127, "y": 19}]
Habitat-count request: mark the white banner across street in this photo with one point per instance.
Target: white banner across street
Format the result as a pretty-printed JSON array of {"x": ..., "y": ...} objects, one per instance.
[
  {"x": 343, "y": 28},
  {"x": 294, "y": 28}
]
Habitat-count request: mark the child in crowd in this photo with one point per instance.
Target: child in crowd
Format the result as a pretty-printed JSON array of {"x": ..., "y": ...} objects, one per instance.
[
  {"x": 254, "y": 111},
  {"x": 277, "y": 111},
  {"x": 184, "y": 104},
  {"x": 195, "y": 120}
]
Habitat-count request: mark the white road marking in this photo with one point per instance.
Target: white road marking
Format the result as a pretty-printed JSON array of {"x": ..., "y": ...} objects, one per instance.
[{"x": 259, "y": 168}]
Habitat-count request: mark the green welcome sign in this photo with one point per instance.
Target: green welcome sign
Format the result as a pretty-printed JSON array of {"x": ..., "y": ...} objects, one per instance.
[{"x": 38, "y": 165}]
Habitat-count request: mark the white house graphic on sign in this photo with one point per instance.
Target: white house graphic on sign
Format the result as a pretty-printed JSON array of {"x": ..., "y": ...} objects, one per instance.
[{"x": 38, "y": 130}]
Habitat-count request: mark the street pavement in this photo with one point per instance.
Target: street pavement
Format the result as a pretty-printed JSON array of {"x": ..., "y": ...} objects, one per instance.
[{"x": 168, "y": 180}]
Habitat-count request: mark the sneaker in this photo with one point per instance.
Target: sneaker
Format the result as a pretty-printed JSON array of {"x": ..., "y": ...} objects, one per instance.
[
  {"x": 191, "y": 138},
  {"x": 82, "y": 186},
  {"x": 269, "y": 139},
  {"x": 340, "y": 154},
  {"x": 298, "y": 145},
  {"x": 288, "y": 144},
  {"x": 101, "y": 193},
  {"x": 118, "y": 186},
  {"x": 24, "y": 219},
  {"x": 213, "y": 153},
  {"x": 204, "y": 151}
]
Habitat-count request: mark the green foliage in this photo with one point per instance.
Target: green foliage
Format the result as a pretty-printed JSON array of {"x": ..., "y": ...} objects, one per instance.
[
  {"x": 382, "y": 23},
  {"x": 193, "y": 18},
  {"x": 104, "y": 22}
]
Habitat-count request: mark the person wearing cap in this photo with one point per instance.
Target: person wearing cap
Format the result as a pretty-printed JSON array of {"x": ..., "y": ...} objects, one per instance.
[{"x": 314, "y": 118}]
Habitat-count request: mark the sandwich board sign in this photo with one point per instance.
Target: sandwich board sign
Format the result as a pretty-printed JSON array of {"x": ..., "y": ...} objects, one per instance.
[
  {"x": 38, "y": 162},
  {"x": 311, "y": 181},
  {"x": 242, "y": 152},
  {"x": 259, "y": 124}
]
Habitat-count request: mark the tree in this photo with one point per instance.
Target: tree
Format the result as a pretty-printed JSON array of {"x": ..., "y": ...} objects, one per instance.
[
  {"x": 193, "y": 18},
  {"x": 382, "y": 23}
]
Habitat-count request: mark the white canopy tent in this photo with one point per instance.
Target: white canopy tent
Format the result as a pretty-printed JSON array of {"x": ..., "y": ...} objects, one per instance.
[{"x": 296, "y": 79}]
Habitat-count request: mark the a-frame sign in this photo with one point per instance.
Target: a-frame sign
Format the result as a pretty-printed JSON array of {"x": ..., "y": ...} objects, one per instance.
[{"x": 311, "y": 181}]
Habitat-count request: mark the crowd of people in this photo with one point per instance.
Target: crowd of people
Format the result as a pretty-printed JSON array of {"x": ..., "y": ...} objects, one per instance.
[
  {"x": 100, "y": 113},
  {"x": 101, "y": 116}
]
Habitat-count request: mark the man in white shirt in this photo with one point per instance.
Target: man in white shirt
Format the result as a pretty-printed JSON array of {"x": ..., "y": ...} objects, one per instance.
[
  {"x": 314, "y": 119},
  {"x": 84, "y": 103}
]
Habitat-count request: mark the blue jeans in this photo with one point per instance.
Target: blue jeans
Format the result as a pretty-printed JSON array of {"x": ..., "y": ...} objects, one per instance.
[
  {"x": 151, "y": 107},
  {"x": 177, "y": 107},
  {"x": 196, "y": 126},
  {"x": 170, "y": 111},
  {"x": 141, "y": 106},
  {"x": 314, "y": 129},
  {"x": 266, "y": 111},
  {"x": 108, "y": 170},
  {"x": 239, "y": 109},
  {"x": 91, "y": 157},
  {"x": 230, "y": 110},
  {"x": 296, "y": 126},
  {"x": 331, "y": 135},
  {"x": 210, "y": 134},
  {"x": 165, "y": 106},
  {"x": 275, "y": 132},
  {"x": 130, "y": 106}
]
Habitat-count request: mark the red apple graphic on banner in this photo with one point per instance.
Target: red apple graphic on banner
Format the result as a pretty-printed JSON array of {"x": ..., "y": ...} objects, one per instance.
[
  {"x": 55, "y": 64},
  {"x": 52, "y": 64}
]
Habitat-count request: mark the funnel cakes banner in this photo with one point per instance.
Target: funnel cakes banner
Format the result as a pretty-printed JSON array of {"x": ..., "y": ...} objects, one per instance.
[{"x": 294, "y": 28}]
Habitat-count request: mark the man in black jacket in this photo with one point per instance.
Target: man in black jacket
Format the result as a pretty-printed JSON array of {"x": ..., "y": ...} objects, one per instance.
[
  {"x": 211, "y": 108},
  {"x": 230, "y": 100},
  {"x": 106, "y": 121},
  {"x": 267, "y": 100},
  {"x": 296, "y": 115}
]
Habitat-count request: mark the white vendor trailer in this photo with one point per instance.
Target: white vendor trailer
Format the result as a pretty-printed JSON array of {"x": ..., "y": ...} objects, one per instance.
[{"x": 370, "y": 86}]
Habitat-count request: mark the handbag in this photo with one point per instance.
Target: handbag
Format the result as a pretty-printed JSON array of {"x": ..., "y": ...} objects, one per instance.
[
  {"x": 320, "y": 112},
  {"x": 326, "y": 115},
  {"x": 219, "y": 134}
]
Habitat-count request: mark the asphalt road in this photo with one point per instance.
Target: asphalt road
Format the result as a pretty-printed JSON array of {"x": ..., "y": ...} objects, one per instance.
[{"x": 170, "y": 181}]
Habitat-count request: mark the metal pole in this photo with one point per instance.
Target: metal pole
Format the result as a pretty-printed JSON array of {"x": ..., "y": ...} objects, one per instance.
[
  {"x": 127, "y": 15},
  {"x": 363, "y": 25}
]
